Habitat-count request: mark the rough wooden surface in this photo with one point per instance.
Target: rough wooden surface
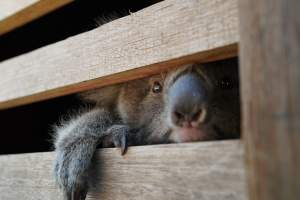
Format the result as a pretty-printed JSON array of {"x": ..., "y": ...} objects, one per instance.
[
  {"x": 166, "y": 34},
  {"x": 207, "y": 170},
  {"x": 270, "y": 75},
  {"x": 15, "y": 13}
]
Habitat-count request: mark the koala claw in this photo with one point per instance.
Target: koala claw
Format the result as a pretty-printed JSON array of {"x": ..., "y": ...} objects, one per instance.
[
  {"x": 121, "y": 141},
  {"x": 119, "y": 137}
]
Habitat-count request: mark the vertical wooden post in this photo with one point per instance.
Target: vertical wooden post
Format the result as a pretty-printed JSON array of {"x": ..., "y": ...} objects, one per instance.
[{"x": 270, "y": 84}]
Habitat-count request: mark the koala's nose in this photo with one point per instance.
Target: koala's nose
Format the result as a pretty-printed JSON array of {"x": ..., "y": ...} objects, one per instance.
[
  {"x": 188, "y": 97},
  {"x": 190, "y": 119}
]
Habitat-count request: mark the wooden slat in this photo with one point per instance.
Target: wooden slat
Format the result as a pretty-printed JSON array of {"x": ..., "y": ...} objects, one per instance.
[
  {"x": 166, "y": 34},
  {"x": 9, "y": 8},
  {"x": 15, "y": 13},
  {"x": 270, "y": 75},
  {"x": 207, "y": 170}
]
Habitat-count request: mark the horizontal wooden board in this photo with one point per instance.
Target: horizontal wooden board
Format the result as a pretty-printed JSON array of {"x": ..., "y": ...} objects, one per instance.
[
  {"x": 170, "y": 33},
  {"x": 15, "y": 13},
  {"x": 204, "y": 170},
  {"x": 9, "y": 8}
]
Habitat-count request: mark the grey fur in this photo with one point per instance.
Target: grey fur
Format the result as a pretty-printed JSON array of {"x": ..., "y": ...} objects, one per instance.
[{"x": 132, "y": 114}]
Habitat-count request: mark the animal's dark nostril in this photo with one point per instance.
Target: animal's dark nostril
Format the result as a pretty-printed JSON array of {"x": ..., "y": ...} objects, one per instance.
[
  {"x": 196, "y": 115},
  {"x": 178, "y": 115}
]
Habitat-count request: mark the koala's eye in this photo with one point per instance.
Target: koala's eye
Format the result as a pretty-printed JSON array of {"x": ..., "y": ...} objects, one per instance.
[
  {"x": 156, "y": 88},
  {"x": 225, "y": 83}
]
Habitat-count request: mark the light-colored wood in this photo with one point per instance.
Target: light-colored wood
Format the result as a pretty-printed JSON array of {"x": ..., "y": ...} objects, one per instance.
[
  {"x": 166, "y": 34},
  {"x": 9, "y": 8},
  {"x": 204, "y": 170},
  {"x": 15, "y": 13},
  {"x": 270, "y": 78}
]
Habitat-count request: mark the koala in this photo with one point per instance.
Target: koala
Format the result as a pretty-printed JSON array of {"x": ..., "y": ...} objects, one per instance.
[{"x": 195, "y": 102}]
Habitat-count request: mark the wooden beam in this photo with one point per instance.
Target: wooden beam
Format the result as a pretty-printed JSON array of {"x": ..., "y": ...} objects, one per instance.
[
  {"x": 204, "y": 170},
  {"x": 166, "y": 34},
  {"x": 15, "y": 13},
  {"x": 270, "y": 78}
]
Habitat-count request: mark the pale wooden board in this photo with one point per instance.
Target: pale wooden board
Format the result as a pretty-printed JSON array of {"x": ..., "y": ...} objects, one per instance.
[
  {"x": 204, "y": 170},
  {"x": 270, "y": 79},
  {"x": 166, "y": 34},
  {"x": 8, "y": 8},
  {"x": 15, "y": 13}
]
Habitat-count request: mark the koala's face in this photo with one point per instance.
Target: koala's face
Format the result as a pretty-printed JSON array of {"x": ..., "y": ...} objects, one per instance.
[
  {"x": 190, "y": 103},
  {"x": 141, "y": 102}
]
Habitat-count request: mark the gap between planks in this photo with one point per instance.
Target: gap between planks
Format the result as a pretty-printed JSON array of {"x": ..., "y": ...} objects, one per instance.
[{"x": 15, "y": 13}]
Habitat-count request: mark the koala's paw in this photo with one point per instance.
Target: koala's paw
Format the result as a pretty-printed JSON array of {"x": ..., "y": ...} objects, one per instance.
[
  {"x": 119, "y": 137},
  {"x": 72, "y": 173}
]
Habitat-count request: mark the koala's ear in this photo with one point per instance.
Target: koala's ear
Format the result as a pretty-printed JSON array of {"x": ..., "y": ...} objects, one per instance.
[{"x": 106, "y": 96}]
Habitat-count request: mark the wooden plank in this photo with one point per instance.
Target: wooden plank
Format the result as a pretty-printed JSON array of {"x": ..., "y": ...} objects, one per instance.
[
  {"x": 270, "y": 75},
  {"x": 9, "y": 8},
  {"x": 204, "y": 170},
  {"x": 15, "y": 13},
  {"x": 166, "y": 34}
]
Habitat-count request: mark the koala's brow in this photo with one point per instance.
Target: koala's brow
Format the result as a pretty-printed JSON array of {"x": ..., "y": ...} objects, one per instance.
[{"x": 163, "y": 75}]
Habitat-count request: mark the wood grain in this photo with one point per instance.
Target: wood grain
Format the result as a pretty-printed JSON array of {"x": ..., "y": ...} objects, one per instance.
[
  {"x": 15, "y": 13},
  {"x": 204, "y": 170},
  {"x": 163, "y": 35},
  {"x": 270, "y": 76}
]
